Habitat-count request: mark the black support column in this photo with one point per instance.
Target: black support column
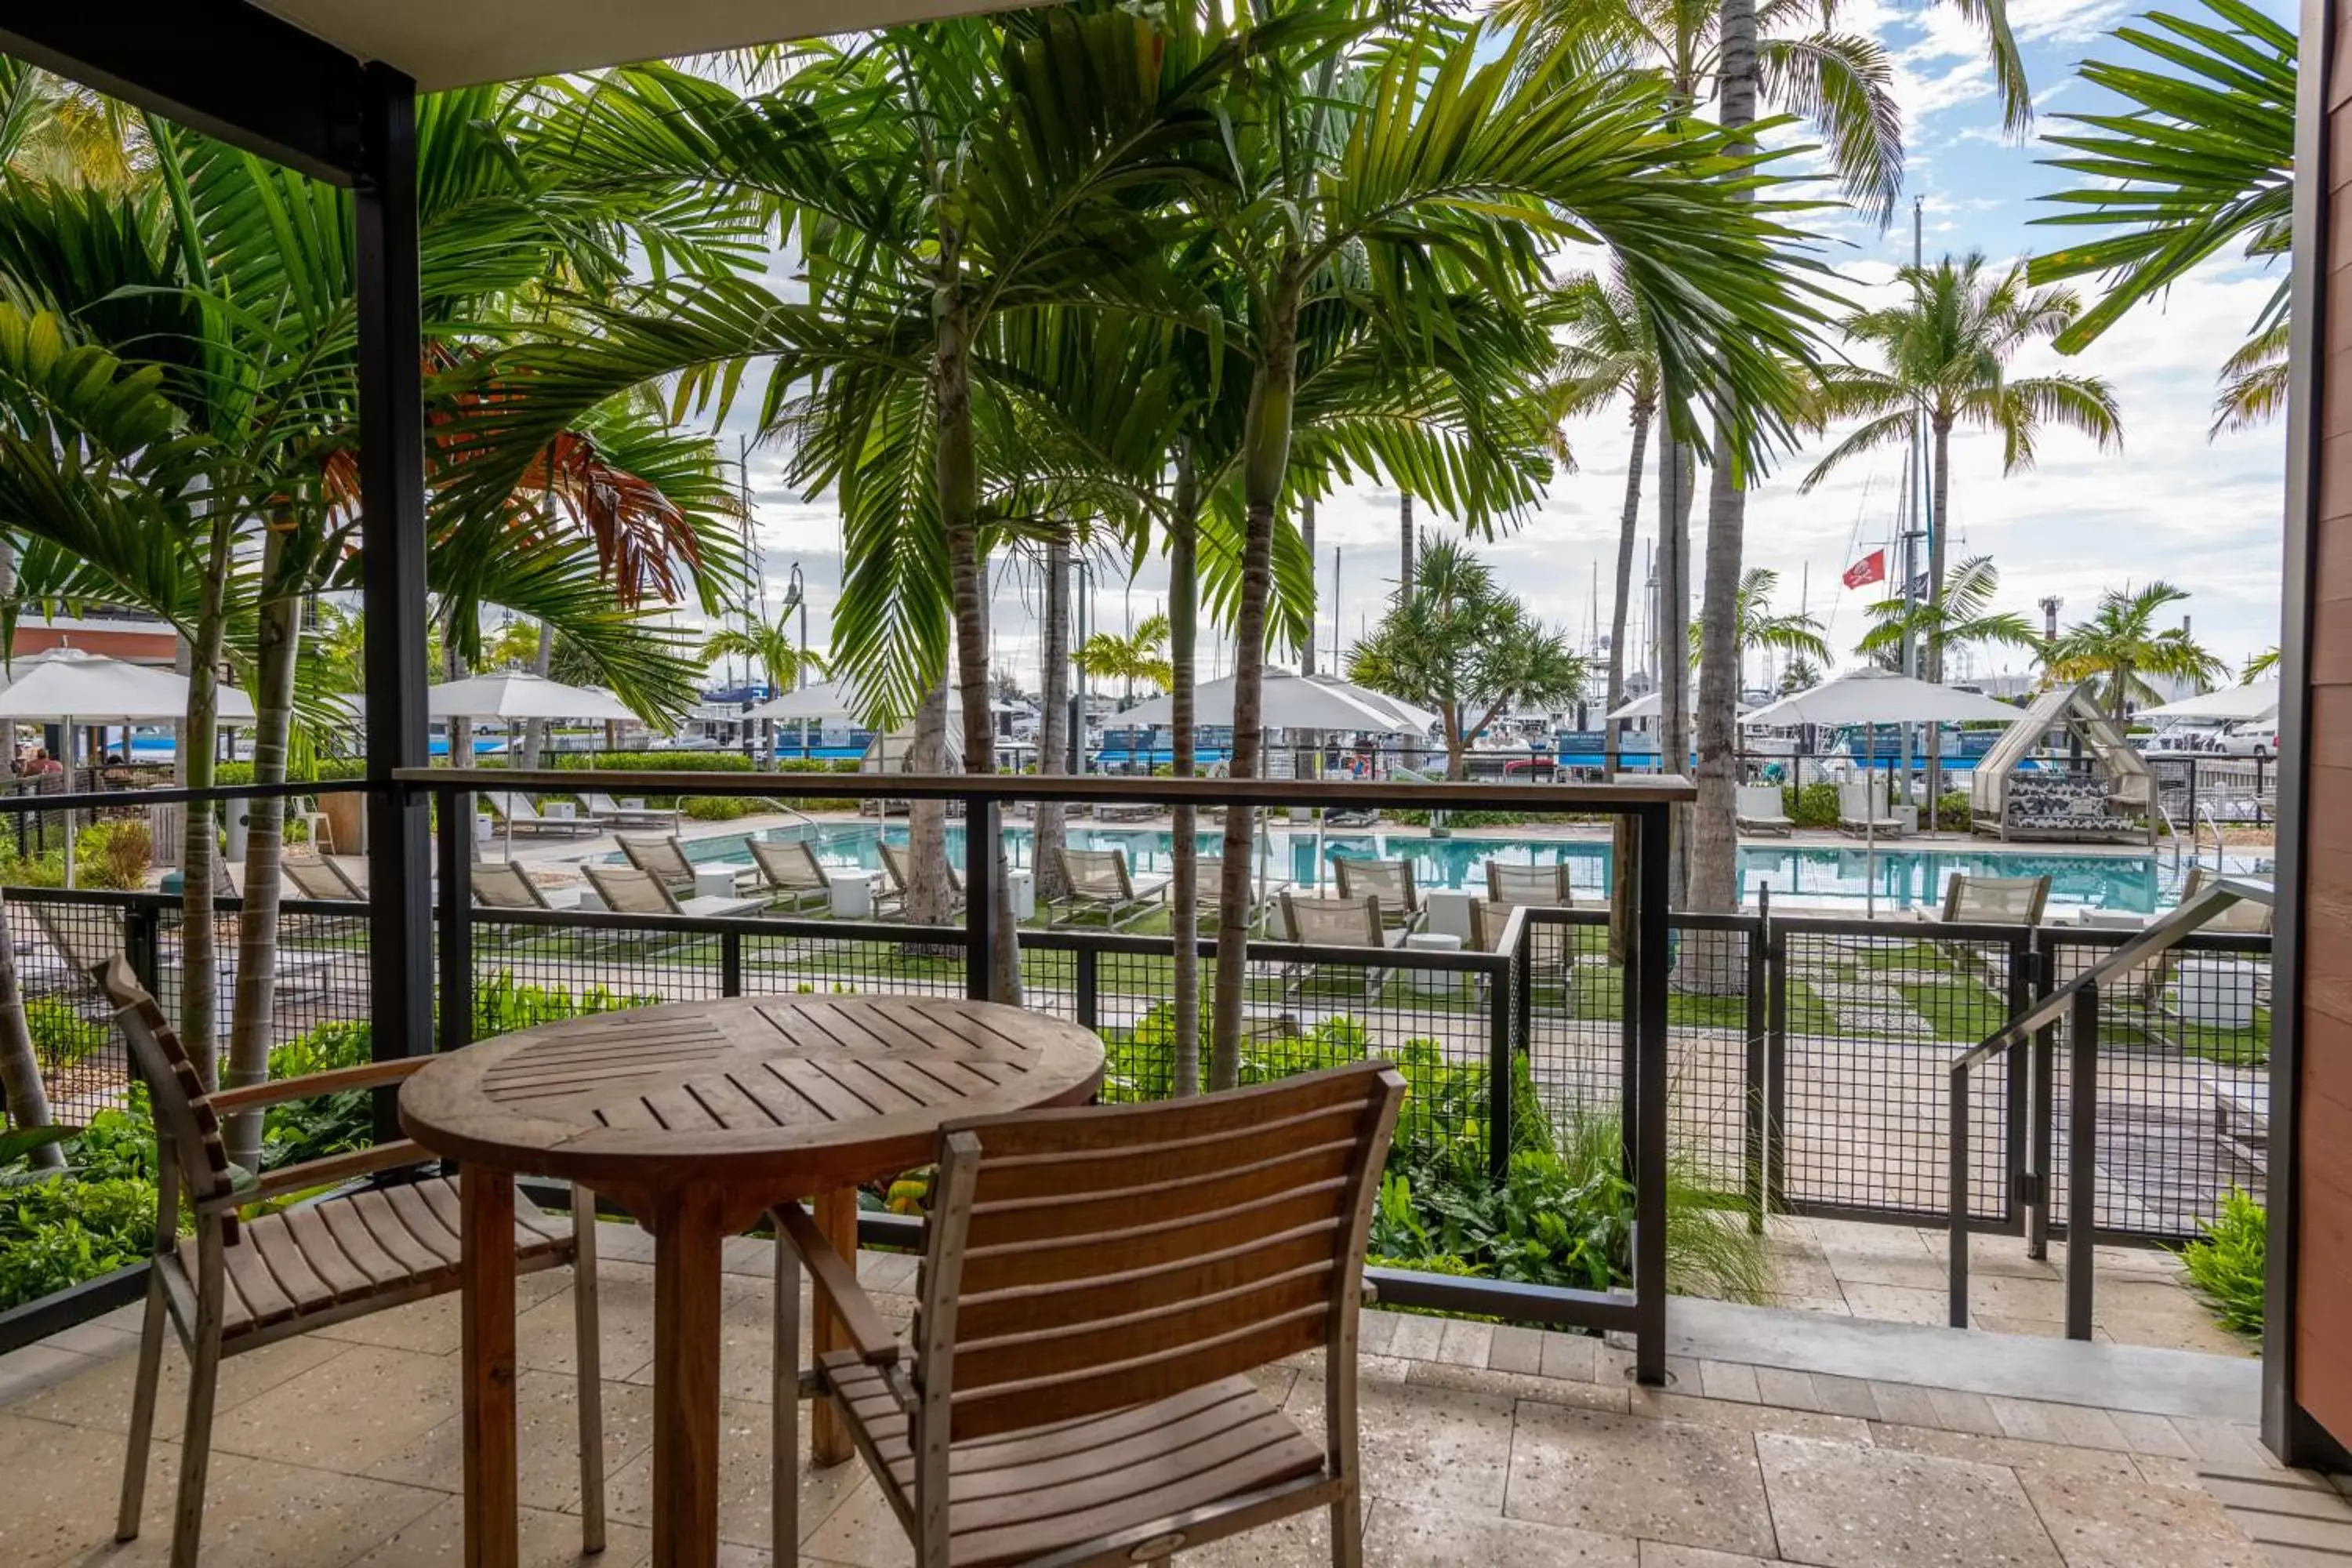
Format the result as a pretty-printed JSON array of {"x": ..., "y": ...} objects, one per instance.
[{"x": 392, "y": 535}]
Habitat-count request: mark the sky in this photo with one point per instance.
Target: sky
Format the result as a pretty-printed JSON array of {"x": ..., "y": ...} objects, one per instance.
[{"x": 2203, "y": 514}]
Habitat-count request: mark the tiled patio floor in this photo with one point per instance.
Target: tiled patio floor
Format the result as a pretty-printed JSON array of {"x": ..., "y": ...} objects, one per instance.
[{"x": 1499, "y": 1448}]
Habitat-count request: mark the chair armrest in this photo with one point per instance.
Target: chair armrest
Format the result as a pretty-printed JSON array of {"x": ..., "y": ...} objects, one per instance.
[
  {"x": 868, "y": 1334},
  {"x": 311, "y": 1085},
  {"x": 325, "y": 1171}
]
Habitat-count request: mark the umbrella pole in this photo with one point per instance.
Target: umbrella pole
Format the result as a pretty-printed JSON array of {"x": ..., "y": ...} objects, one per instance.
[{"x": 69, "y": 813}]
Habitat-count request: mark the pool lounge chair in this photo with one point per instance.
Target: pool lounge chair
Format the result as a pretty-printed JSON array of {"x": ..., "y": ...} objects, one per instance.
[
  {"x": 321, "y": 880},
  {"x": 520, "y": 813},
  {"x": 1099, "y": 882},
  {"x": 897, "y": 869},
  {"x": 1389, "y": 881},
  {"x": 628, "y": 891},
  {"x": 1333, "y": 923},
  {"x": 629, "y": 813},
  {"x": 1758, "y": 809},
  {"x": 503, "y": 885},
  {"x": 1993, "y": 900},
  {"x": 792, "y": 876},
  {"x": 663, "y": 856},
  {"x": 1857, "y": 799}
]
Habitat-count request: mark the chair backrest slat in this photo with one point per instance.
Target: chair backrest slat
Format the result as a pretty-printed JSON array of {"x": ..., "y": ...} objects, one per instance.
[
  {"x": 1390, "y": 882},
  {"x": 503, "y": 885},
  {"x": 1995, "y": 901},
  {"x": 792, "y": 865},
  {"x": 632, "y": 891},
  {"x": 1333, "y": 923},
  {"x": 1104, "y": 1259},
  {"x": 315, "y": 880},
  {"x": 1537, "y": 887},
  {"x": 661, "y": 856},
  {"x": 177, "y": 1094},
  {"x": 1097, "y": 873}
]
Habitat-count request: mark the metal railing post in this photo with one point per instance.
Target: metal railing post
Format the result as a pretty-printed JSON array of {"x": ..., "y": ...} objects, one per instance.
[
  {"x": 142, "y": 946},
  {"x": 1776, "y": 1068},
  {"x": 730, "y": 963},
  {"x": 981, "y": 829},
  {"x": 455, "y": 1029},
  {"x": 2018, "y": 1107},
  {"x": 2046, "y": 1112},
  {"x": 1090, "y": 977},
  {"x": 1957, "y": 1141},
  {"x": 1501, "y": 1079},
  {"x": 2192, "y": 798},
  {"x": 1758, "y": 1026},
  {"x": 1650, "y": 958},
  {"x": 2082, "y": 1158}
]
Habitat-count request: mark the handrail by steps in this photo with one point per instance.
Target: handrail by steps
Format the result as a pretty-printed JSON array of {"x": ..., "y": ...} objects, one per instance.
[{"x": 2078, "y": 1001}]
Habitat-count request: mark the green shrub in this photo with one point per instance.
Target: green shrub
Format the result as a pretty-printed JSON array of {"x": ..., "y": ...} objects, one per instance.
[
  {"x": 501, "y": 1006},
  {"x": 95, "y": 1218},
  {"x": 61, "y": 1036},
  {"x": 303, "y": 1130},
  {"x": 1463, "y": 821},
  {"x": 2226, "y": 1263},
  {"x": 1811, "y": 805},
  {"x": 114, "y": 854},
  {"x": 718, "y": 807}
]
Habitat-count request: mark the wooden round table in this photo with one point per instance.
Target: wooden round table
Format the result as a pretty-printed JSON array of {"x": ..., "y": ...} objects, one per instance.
[{"x": 698, "y": 1117}]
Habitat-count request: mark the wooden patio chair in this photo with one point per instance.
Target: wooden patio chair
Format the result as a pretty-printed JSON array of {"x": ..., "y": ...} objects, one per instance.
[
  {"x": 663, "y": 856},
  {"x": 1389, "y": 881},
  {"x": 792, "y": 876},
  {"x": 1333, "y": 923},
  {"x": 897, "y": 869},
  {"x": 236, "y": 1286},
  {"x": 1098, "y": 883},
  {"x": 1096, "y": 1286}
]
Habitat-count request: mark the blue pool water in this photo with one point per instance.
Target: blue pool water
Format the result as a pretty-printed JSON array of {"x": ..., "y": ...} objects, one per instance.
[{"x": 2132, "y": 883}]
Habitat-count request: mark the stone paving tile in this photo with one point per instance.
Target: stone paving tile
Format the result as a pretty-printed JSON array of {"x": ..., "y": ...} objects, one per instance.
[
  {"x": 1301, "y": 1540},
  {"x": 2223, "y": 1443},
  {"x": 1957, "y": 1410},
  {"x": 1904, "y": 1403},
  {"x": 1398, "y": 1536},
  {"x": 1843, "y": 1506},
  {"x": 1571, "y": 1356},
  {"x": 1517, "y": 1385},
  {"x": 1516, "y": 1349},
  {"x": 347, "y": 1414},
  {"x": 261, "y": 1514},
  {"x": 30, "y": 1369},
  {"x": 1433, "y": 1447},
  {"x": 744, "y": 1516},
  {"x": 2018, "y": 1455},
  {"x": 546, "y": 1540},
  {"x": 1664, "y": 1405},
  {"x": 1728, "y": 1379},
  {"x": 2152, "y": 1435},
  {"x": 431, "y": 1326},
  {"x": 1417, "y": 1339},
  {"x": 547, "y": 1411},
  {"x": 2100, "y": 1524},
  {"x": 99, "y": 1392},
  {"x": 546, "y": 1339},
  {"x": 62, "y": 1482},
  {"x": 1845, "y": 1397},
  {"x": 1675, "y": 1481},
  {"x": 94, "y": 1339},
  {"x": 1659, "y": 1554},
  {"x": 1898, "y": 1303},
  {"x": 1466, "y": 1344},
  {"x": 1788, "y": 1390},
  {"x": 1375, "y": 1331}
]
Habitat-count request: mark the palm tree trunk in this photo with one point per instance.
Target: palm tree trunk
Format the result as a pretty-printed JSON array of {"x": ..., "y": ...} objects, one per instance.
[
  {"x": 1940, "y": 496},
  {"x": 257, "y": 933},
  {"x": 534, "y": 731},
  {"x": 22, "y": 1094},
  {"x": 1183, "y": 890},
  {"x": 1405, "y": 546},
  {"x": 199, "y": 953},
  {"x": 1627, "y": 530},
  {"x": 1048, "y": 833},
  {"x": 1714, "y": 840},
  {"x": 929, "y": 899},
  {"x": 958, "y": 469},
  {"x": 1265, "y": 461},
  {"x": 1677, "y": 479},
  {"x": 1306, "y": 534}
]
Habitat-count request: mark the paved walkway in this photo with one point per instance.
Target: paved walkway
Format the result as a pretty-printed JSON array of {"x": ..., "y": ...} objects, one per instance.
[{"x": 1499, "y": 1446}]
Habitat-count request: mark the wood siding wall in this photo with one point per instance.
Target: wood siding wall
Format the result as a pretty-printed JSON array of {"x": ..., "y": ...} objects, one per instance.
[{"x": 2323, "y": 1320}]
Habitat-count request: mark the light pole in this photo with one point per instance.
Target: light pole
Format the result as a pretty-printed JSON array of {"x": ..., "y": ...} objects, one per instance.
[{"x": 796, "y": 596}]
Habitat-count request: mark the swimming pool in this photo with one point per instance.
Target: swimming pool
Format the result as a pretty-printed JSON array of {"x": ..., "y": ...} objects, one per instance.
[{"x": 1832, "y": 874}]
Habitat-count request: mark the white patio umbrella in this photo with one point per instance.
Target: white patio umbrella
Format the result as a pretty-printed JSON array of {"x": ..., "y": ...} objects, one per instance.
[
  {"x": 1287, "y": 701},
  {"x": 2231, "y": 703},
  {"x": 69, "y": 688},
  {"x": 1870, "y": 697},
  {"x": 1408, "y": 717},
  {"x": 1649, "y": 705},
  {"x": 514, "y": 696},
  {"x": 836, "y": 701}
]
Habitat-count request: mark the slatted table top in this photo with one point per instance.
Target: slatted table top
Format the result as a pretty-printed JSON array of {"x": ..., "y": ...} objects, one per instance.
[{"x": 784, "y": 1090}]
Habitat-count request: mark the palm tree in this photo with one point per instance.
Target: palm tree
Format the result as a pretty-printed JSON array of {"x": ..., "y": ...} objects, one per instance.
[
  {"x": 2121, "y": 646},
  {"x": 2262, "y": 665},
  {"x": 1142, "y": 655},
  {"x": 769, "y": 646},
  {"x": 1756, "y": 627},
  {"x": 1963, "y": 619},
  {"x": 1609, "y": 354},
  {"x": 1945, "y": 356},
  {"x": 2201, "y": 159}
]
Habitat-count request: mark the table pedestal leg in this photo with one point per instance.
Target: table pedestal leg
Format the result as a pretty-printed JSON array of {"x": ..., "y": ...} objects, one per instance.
[
  {"x": 486, "y": 1269},
  {"x": 835, "y": 1214},
  {"x": 685, "y": 1381}
]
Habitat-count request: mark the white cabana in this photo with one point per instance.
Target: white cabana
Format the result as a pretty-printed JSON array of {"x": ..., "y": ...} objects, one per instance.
[
  {"x": 2122, "y": 776},
  {"x": 70, "y": 688},
  {"x": 2256, "y": 700},
  {"x": 1287, "y": 701},
  {"x": 1651, "y": 704}
]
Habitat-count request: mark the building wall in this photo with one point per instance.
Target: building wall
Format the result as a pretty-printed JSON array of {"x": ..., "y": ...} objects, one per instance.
[{"x": 2323, "y": 1214}]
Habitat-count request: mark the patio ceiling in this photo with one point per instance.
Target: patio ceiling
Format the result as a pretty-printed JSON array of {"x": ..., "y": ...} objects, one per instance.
[{"x": 458, "y": 43}]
